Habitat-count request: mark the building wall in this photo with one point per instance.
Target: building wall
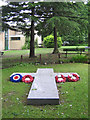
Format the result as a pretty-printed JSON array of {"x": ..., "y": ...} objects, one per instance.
[
  {"x": 39, "y": 39},
  {"x": 17, "y": 44},
  {"x": 11, "y": 32},
  {"x": 13, "y": 44},
  {"x": 2, "y": 41}
]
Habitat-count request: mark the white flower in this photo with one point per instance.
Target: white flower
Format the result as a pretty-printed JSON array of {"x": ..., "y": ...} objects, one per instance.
[
  {"x": 1, "y": 98},
  {"x": 17, "y": 98},
  {"x": 70, "y": 105},
  {"x": 66, "y": 91},
  {"x": 60, "y": 79},
  {"x": 27, "y": 79},
  {"x": 62, "y": 113}
]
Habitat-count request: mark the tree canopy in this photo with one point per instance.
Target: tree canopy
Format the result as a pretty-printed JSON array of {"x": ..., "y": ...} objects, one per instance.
[
  {"x": 64, "y": 18},
  {"x": 68, "y": 18}
]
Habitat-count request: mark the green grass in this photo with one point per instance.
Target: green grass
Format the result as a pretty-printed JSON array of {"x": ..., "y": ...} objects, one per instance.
[
  {"x": 37, "y": 51},
  {"x": 16, "y": 52},
  {"x": 13, "y": 57},
  {"x": 73, "y": 95}
]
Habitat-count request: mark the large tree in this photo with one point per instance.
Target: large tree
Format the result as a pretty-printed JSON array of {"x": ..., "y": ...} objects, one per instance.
[
  {"x": 20, "y": 16},
  {"x": 60, "y": 17},
  {"x": 65, "y": 18}
]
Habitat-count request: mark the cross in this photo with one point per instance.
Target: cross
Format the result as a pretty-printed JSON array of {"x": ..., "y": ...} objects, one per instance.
[{"x": 43, "y": 89}]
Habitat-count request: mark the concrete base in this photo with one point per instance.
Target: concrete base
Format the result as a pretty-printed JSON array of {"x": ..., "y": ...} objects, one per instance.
[{"x": 42, "y": 101}]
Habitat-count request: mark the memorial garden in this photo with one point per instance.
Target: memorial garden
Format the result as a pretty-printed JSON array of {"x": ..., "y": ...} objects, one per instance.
[
  {"x": 73, "y": 95},
  {"x": 50, "y": 81}
]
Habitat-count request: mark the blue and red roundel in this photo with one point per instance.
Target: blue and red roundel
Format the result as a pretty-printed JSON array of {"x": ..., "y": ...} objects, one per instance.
[{"x": 16, "y": 78}]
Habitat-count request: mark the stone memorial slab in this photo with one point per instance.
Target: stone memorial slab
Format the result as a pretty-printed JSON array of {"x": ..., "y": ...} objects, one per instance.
[{"x": 44, "y": 89}]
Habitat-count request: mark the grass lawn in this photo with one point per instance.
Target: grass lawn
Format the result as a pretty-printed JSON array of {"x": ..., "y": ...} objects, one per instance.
[
  {"x": 73, "y": 95},
  {"x": 13, "y": 57},
  {"x": 37, "y": 51}
]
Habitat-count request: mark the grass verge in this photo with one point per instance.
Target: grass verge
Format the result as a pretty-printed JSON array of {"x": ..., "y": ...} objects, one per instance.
[{"x": 73, "y": 95}]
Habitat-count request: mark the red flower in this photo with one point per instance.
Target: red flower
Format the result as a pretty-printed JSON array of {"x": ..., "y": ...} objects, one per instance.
[
  {"x": 27, "y": 78},
  {"x": 73, "y": 80},
  {"x": 59, "y": 81}
]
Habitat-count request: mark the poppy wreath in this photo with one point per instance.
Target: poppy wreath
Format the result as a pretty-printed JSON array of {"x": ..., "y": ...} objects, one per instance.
[
  {"x": 59, "y": 81},
  {"x": 73, "y": 80},
  {"x": 16, "y": 78},
  {"x": 27, "y": 79}
]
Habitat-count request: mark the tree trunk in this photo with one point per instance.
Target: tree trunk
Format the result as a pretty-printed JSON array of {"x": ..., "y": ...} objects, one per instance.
[
  {"x": 32, "y": 52},
  {"x": 42, "y": 41},
  {"x": 88, "y": 41},
  {"x": 55, "y": 42}
]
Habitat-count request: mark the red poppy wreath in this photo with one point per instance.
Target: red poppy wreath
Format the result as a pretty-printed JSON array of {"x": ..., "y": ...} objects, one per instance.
[
  {"x": 27, "y": 79},
  {"x": 73, "y": 78},
  {"x": 60, "y": 78}
]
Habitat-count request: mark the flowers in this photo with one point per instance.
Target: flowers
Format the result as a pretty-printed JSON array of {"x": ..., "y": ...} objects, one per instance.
[
  {"x": 19, "y": 78},
  {"x": 27, "y": 79},
  {"x": 60, "y": 78},
  {"x": 73, "y": 78}
]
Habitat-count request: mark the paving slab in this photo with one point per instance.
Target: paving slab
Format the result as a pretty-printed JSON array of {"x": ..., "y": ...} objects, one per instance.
[{"x": 43, "y": 89}]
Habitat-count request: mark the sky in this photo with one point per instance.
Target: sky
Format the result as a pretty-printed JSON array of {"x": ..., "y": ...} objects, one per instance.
[{"x": 2, "y": 2}]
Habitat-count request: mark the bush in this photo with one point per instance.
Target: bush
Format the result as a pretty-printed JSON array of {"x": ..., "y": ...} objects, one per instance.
[
  {"x": 79, "y": 59},
  {"x": 27, "y": 44},
  {"x": 49, "y": 41}
]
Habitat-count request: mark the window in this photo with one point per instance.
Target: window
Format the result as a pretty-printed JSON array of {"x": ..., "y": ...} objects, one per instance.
[{"x": 15, "y": 38}]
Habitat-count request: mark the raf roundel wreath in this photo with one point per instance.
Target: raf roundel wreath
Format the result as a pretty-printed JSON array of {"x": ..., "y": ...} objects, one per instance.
[
  {"x": 60, "y": 79},
  {"x": 74, "y": 78},
  {"x": 27, "y": 79},
  {"x": 16, "y": 78}
]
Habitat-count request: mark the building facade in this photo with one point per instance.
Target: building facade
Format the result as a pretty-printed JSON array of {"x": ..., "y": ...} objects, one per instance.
[{"x": 11, "y": 40}]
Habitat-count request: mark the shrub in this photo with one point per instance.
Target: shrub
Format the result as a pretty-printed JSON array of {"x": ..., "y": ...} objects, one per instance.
[
  {"x": 26, "y": 46},
  {"x": 27, "y": 43},
  {"x": 79, "y": 59},
  {"x": 49, "y": 41}
]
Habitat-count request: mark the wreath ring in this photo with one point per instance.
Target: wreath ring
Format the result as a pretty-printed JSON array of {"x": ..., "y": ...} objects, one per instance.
[
  {"x": 59, "y": 81},
  {"x": 73, "y": 80},
  {"x": 27, "y": 79},
  {"x": 16, "y": 78}
]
